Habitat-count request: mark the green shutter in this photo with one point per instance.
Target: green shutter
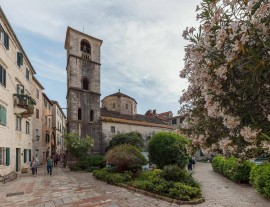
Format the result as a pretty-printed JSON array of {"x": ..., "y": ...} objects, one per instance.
[
  {"x": 4, "y": 77},
  {"x": 25, "y": 155},
  {"x": 6, "y": 40},
  {"x": 7, "y": 156},
  {"x": 29, "y": 155},
  {"x": 21, "y": 59},
  {"x": 18, "y": 59},
  {"x": 3, "y": 115}
]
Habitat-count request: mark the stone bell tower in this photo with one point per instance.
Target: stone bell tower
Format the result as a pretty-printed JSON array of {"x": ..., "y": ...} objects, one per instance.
[{"x": 83, "y": 86}]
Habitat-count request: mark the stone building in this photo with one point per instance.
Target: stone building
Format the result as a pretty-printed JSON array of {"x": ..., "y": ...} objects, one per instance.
[
  {"x": 118, "y": 113},
  {"x": 48, "y": 136},
  {"x": 58, "y": 125},
  {"x": 37, "y": 89},
  {"x": 83, "y": 85},
  {"x": 17, "y": 104}
]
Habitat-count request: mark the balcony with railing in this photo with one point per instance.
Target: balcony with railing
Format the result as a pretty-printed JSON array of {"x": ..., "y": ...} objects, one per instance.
[{"x": 24, "y": 105}]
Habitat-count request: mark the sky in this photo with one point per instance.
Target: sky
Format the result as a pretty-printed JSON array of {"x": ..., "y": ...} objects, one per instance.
[{"x": 142, "y": 51}]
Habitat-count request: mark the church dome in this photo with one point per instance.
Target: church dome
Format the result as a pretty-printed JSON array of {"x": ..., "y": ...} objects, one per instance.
[{"x": 120, "y": 102}]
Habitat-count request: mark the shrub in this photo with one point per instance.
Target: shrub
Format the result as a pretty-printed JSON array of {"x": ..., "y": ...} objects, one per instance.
[
  {"x": 260, "y": 179},
  {"x": 232, "y": 168},
  {"x": 184, "y": 192},
  {"x": 132, "y": 138},
  {"x": 174, "y": 173},
  {"x": 168, "y": 188},
  {"x": 74, "y": 167},
  {"x": 125, "y": 157},
  {"x": 167, "y": 148},
  {"x": 91, "y": 162},
  {"x": 112, "y": 178},
  {"x": 78, "y": 146},
  {"x": 150, "y": 175}
]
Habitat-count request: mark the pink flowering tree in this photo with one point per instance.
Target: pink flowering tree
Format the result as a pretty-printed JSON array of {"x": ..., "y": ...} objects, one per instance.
[{"x": 227, "y": 63}]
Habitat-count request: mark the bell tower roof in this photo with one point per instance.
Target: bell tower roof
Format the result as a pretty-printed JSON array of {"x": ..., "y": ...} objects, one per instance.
[{"x": 81, "y": 33}]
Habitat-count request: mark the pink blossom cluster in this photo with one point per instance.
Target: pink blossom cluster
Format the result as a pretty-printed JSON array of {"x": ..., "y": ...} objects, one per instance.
[{"x": 214, "y": 60}]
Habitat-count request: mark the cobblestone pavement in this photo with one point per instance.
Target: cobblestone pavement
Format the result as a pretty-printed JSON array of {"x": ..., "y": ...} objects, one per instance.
[
  {"x": 65, "y": 188},
  {"x": 218, "y": 191}
]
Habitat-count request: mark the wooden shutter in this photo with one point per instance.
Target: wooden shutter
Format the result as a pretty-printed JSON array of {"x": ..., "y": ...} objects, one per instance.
[
  {"x": 19, "y": 59},
  {"x": 3, "y": 115},
  {"x": 4, "y": 112},
  {"x": 7, "y": 156},
  {"x": 25, "y": 155},
  {"x": 4, "y": 77},
  {"x": 6, "y": 40},
  {"x": 29, "y": 155}
]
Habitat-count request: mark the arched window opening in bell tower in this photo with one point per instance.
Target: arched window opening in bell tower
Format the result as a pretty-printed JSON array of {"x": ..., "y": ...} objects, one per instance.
[
  {"x": 91, "y": 115},
  {"x": 126, "y": 106},
  {"x": 85, "y": 47},
  {"x": 79, "y": 114},
  {"x": 85, "y": 84}
]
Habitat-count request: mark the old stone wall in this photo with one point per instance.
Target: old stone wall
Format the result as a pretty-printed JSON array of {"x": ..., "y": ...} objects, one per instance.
[
  {"x": 146, "y": 131},
  {"x": 123, "y": 105}
]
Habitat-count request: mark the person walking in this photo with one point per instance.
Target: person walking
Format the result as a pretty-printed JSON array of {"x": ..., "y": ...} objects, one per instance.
[
  {"x": 193, "y": 162},
  {"x": 190, "y": 164},
  {"x": 33, "y": 166},
  {"x": 37, "y": 161},
  {"x": 49, "y": 165}
]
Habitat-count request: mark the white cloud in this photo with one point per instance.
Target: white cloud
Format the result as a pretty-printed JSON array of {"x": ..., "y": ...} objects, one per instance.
[{"x": 142, "y": 49}]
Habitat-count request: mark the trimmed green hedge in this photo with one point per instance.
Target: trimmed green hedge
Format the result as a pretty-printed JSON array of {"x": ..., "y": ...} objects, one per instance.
[
  {"x": 154, "y": 182},
  {"x": 232, "y": 168},
  {"x": 112, "y": 178},
  {"x": 88, "y": 163},
  {"x": 247, "y": 172},
  {"x": 176, "y": 190},
  {"x": 260, "y": 179}
]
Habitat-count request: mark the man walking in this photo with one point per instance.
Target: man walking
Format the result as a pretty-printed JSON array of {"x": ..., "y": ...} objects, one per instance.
[{"x": 49, "y": 165}]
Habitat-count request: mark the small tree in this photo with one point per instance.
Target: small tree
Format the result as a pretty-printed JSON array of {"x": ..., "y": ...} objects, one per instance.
[
  {"x": 78, "y": 146},
  {"x": 125, "y": 157},
  {"x": 167, "y": 148},
  {"x": 132, "y": 138}
]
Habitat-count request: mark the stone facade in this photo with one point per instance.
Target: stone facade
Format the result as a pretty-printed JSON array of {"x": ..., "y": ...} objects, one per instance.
[
  {"x": 83, "y": 85},
  {"x": 16, "y": 106},
  {"x": 121, "y": 103},
  {"x": 58, "y": 126},
  {"x": 84, "y": 115},
  {"x": 48, "y": 136},
  {"x": 37, "y": 121},
  {"x": 146, "y": 131}
]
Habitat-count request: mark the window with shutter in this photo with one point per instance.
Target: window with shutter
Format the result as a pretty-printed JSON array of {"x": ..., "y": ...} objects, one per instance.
[
  {"x": 29, "y": 155},
  {"x": 6, "y": 40},
  {"x": 25, "y": 155},
  {"x": 7, "y": 156},
  {"x": 2, "y": 149},
  {"x": 3, "y": 115},
  {"x": 2, "y": 76},
  {"x": 19, "y": 59}
]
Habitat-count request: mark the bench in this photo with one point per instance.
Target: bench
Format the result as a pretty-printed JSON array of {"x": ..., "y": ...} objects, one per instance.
[{"x": 9, "y": 177}]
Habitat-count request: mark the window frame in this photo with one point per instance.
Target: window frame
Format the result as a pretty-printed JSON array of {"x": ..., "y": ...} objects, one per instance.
[
  {"x": 27, "y": 127},
  {"x": 2, "y": 156},
  {"x": 27, "y": 74},
  {"x": 37, "y": 113},
  {"x": 18, "y": 123},
  {"x": 3, "y": 114},
  {"x": 113, "y": 129},
  {"x": 3, "y": 76}
]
